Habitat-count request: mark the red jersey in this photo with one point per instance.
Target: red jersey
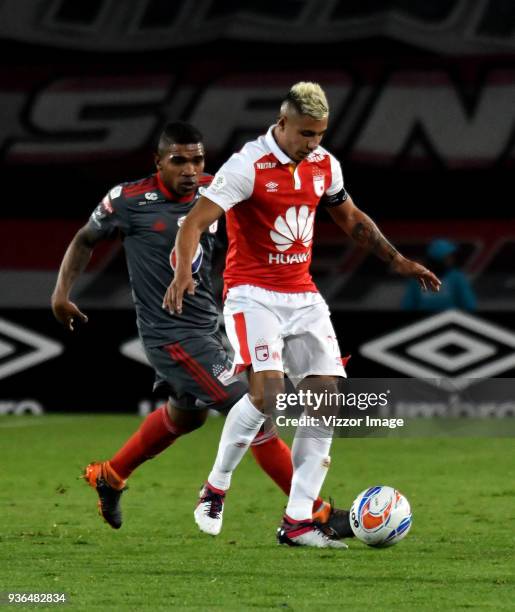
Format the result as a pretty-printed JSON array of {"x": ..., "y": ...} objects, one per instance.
[{"x": 270, "y": 203}]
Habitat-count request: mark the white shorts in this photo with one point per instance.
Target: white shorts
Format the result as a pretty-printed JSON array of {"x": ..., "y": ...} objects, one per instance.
[{"x": 290, "y": 332}]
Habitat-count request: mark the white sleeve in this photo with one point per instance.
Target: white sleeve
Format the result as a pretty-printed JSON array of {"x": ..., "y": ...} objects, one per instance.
[
  {"x": 337, "y": 177},
  {"x": 233, "y": 183}
]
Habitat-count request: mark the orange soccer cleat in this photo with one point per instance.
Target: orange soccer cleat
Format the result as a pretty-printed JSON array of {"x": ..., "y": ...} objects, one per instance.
[{"x": 109, "y": 487}]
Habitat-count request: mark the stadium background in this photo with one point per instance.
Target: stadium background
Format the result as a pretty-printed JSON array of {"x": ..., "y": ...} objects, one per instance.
[{"x": 423, "y": 107}]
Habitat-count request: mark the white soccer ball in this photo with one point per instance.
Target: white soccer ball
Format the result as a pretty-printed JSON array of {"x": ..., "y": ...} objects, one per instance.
[{"x": 380, "y": 516}]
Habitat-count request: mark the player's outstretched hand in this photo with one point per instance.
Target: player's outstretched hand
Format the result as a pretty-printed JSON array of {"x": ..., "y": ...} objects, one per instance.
[
  {"x": 407, "y": 267},
  {"x": 66, "y": 312},
  {"x": 172, "y": 300}
]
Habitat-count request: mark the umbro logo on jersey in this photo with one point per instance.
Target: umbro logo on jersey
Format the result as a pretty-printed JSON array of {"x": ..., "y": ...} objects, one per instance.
[
  {"x": 271, "y": 186},
  {"x": 265, "y": 165},
  {"x": 150, "y": 195}
]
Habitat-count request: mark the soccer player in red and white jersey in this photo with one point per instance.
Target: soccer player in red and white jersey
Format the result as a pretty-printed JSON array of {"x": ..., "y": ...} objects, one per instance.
[{"x": 275, "y": 318}]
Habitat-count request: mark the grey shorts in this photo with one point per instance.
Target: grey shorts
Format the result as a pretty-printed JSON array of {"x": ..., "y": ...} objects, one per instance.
[{"x": 197, "y": 372}]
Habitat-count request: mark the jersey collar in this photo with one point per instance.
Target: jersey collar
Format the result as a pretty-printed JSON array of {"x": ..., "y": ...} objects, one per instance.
[
  {"x": 278, "y": 152},
  {"x": 274, "y": 147},
  {"x": 171, "y": 195}
]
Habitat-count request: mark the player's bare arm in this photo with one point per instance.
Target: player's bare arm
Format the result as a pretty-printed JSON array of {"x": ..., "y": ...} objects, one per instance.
[
  {"x": 360, "y": 227},
  {"x": 74, "y": 263},
  {"x": 202, "y": 215}
]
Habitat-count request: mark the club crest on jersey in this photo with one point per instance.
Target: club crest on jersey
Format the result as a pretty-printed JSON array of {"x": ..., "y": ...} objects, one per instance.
[
  {"x": 195, "y": 264},
  {"x": 261, "y": 350},
  {"x": 319, "y": 184}
]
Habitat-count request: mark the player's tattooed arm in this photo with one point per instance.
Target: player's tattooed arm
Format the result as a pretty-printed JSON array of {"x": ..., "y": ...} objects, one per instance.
[
  {"x": 73, "y": 264},
  {"x": 366, "y": 233},
  {"x": 360, "y": 227}
]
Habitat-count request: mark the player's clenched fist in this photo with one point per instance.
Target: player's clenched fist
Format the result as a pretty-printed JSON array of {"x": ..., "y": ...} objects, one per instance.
[{"x": 174, "y": 294}]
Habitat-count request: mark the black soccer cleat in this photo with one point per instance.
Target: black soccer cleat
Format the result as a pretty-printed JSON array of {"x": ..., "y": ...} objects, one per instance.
[
  {"x": 109, "y": 508},
  {"x": 337, "y": 525}
]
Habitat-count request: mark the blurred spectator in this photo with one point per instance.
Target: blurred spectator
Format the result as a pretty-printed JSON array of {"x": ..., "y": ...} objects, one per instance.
[{"x": 455, "y": 291}]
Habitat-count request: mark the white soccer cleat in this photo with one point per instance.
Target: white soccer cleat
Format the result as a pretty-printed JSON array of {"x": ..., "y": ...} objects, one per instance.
[
  {"x": 210, "y": 509},
  {"x": 305, "y": 533}
]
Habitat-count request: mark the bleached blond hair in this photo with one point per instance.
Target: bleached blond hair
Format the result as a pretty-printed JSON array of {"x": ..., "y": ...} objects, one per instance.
[{"x": 306, "y": 98}]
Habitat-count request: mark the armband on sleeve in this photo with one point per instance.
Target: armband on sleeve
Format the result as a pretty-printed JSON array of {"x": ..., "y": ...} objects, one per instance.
[{"x": 330, "y": 201}]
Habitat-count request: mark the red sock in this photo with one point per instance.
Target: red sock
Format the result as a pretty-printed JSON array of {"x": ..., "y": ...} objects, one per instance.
[
  {"x": 273, "y": 455},
  {"x": 155, "y": 434}
]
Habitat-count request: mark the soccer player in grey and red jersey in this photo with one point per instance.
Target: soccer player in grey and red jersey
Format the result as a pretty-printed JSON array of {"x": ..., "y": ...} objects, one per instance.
[
  {"x": 187, "y": 353},
  {"x": 275, "y": 318}
]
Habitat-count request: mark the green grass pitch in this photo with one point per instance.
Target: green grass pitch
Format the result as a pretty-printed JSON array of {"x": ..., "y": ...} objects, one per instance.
[{"x": 458, "y": 555}]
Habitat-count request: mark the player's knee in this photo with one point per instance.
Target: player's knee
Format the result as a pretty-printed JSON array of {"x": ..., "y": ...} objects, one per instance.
[
  {"x": 196, "y": 421},
  {"x": 187, "y": 420},
  {"x": 263, "y": 394}
]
